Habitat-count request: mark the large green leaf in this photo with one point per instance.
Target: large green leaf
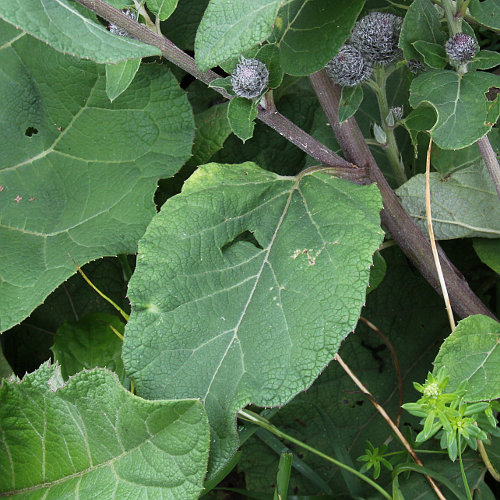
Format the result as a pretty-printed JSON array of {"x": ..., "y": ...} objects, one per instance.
[
  {"x": 230, "y": 27},
  {"x": 63, "y": 26},
  {"x": 472, "y": 353},
  {"x": 310, "y": 32},
  {"x": 332, "y": 415},
  {"x": 79, "y": 174},
  {"x": 486, "y": 12},
  {"x": 91, "y": 438},
  {"x": 464, "y": 113},
  {"x": 421, "y": 23},
  {"x": 246, "y": 283},
  {"x": 464, "y": 205}
]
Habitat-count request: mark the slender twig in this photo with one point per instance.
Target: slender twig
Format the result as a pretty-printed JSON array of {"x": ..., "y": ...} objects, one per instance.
[
  {"x": 392, "y": 425},
  {"x": 256, "y": 419},
  {"x": 431, "y": 236},
  {"x": 486, "y": 459},
  {"x": 394, "y": 217},
  {"x": 491, "y": 161},
  {"x": 395, "y": 359}
]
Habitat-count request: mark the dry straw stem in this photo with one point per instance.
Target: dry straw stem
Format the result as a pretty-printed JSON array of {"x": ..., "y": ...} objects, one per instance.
[
  {"x": 395, "y": 359},
  {"x": 392, "y": 425},
  {"x": 431, "y": 236}
]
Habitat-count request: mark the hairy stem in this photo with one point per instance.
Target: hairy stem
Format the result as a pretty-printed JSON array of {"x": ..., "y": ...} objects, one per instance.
[
  {"x": 491, "y": 161},
  {"x": 391, "y": 147},
  {"x": 394, "y": 217}
]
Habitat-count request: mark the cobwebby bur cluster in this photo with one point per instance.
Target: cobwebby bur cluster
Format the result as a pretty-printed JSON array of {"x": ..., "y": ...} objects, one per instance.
[
  {"x": 461, "y": 48},
  {"x": 374, "y": 40},
  {"x": 250, "y": 78}
]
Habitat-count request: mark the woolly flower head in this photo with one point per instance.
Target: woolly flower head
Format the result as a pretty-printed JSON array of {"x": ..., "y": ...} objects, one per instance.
[
  {"x": 461, "y": 48},
  {"x": 116, "y": 30},
  {"x": 376, "y": 36},
  {"x": 250, "y": 78},
  {"x": 348, "y": 67}
]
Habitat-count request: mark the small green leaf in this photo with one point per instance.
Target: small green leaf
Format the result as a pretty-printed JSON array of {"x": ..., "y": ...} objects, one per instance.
[
  {"x": 229, "y": 28},
  {"x": 485, "y": 59},
  {"x": 472, "y": 353},
  {"x": 489, "y": 252},
  {"x": 60, "y": 24},
  {"x": 241, "y": 114},
  {"x": 310, "y": 32},
  {"x": 351, "y": 100},
  {"x": 421, "y": 23},
  {"x": 464, "y": 205},
  {"x": 487, "y": 12},
  {"x": 419, "y": 120},
  {"x": 222, "y": 83},
  {"x": 119, "y": 76},
  {"x": 433, "y": 54},
  {"x": 377, "y": 272},
  {"x": 464, "y": 112},
  {"x": 269, "y": 54},
  {"x": 91, "y": 438},
  {"x": 162, "y": 8},
  {"x": 89, "y": 343}
]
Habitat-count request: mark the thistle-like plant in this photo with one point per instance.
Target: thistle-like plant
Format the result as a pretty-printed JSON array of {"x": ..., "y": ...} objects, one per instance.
[
  {"x": 250, "y": 78},
  {"x": 376, "y": 36},
  {"x": 348, "y": 68},
  {"x": 461, "y": 48}
]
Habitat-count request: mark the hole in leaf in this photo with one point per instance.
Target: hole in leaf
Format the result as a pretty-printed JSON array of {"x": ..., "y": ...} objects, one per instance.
[
  {"x": 31, "y": 131},
  {"x": 244, "y": 236},
  {"x": 492, "y": 93}
]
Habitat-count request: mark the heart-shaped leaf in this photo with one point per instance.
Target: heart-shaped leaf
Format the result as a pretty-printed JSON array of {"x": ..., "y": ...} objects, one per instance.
[{"x": 246, "y": 283}]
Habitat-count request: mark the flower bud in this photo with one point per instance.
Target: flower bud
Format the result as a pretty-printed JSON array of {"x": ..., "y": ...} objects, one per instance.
[
  {"x": 250, "y": 78},
  {"x": 461, "y": 48},
  {"x": 376, "y": 36},
  {"x": 348, "y": 68}
]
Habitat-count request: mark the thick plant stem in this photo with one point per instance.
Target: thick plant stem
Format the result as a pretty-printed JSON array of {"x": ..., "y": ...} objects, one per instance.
[
  {"x": 491, "y": 161},
  {"x": 454, "y": 21},
  {"x": 392, "y": 425},
  {"x": 394, "y": 217}
]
